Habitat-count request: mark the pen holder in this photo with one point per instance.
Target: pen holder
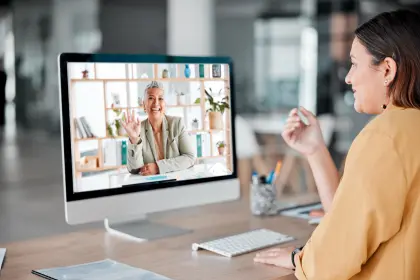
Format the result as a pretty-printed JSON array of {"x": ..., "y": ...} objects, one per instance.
[{"x": 263, "y": 198}]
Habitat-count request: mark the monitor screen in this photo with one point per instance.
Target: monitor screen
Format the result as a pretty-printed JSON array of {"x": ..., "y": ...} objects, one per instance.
[{"x": 135, "y": 125}]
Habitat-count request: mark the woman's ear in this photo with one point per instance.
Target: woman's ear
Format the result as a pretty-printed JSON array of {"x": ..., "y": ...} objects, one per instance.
[{"x": 390, "y": 69}]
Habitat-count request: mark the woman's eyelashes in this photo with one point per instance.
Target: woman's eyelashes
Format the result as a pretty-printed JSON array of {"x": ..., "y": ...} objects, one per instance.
[{"x": 152, "y": 99}]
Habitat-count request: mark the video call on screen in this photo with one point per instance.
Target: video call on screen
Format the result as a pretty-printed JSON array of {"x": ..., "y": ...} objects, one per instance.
[{"x": 102, "y": 95}]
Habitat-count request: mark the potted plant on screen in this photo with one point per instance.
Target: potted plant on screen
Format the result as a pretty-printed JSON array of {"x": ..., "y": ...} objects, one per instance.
[
  {"x": 194, "y": 124},
  {"x": 117, "y": 123},
  {"x": 180, "y": 98},
  {"x": 221, "y": 147},
  {"x": 119, "y": 128},
  {"x": 216, "y": 109},
  {"x": 110, "y": 130}
]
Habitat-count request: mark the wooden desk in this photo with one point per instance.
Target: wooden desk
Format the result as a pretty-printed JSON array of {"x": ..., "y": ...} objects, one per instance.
[{"x": 171, "y": 257}]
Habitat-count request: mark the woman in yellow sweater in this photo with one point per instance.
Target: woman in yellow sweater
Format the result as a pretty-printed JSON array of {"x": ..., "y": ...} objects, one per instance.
[{"x": 371, "y": 229}]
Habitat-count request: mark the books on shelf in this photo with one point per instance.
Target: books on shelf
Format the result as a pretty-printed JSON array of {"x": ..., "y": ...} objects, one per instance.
[
  {"x": 83, "y": 129},
  {"x": 114, "y": 152},
  {"x": 203, "y": 142}
]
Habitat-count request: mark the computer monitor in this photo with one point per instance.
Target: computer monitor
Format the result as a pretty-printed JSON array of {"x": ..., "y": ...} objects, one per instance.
[{"x": 184, "y": 154}]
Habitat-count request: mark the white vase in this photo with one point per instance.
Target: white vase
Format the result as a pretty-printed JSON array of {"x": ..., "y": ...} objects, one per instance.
[
  {"x": 194, "y": 125},
  {"x": 180, "y": 99}
]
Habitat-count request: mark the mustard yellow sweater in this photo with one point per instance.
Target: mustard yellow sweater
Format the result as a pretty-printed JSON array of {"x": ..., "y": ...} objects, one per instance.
[{"x": 373, "y": 228}]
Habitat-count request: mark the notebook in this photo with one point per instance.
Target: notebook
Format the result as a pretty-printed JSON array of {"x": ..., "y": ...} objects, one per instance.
[
  {"x": 2, "y": 256},
  {"x": 100, "y": 270}
]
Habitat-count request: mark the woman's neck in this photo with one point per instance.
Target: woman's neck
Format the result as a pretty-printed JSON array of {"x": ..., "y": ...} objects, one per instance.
[{"x": 156, "y": 124}]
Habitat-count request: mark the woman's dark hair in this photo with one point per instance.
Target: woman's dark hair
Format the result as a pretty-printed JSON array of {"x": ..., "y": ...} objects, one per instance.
[{"x": 396, "y": 35}]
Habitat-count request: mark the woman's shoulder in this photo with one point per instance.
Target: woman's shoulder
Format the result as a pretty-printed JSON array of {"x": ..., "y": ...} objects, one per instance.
[
  {"x": 144, "y": 123},
  {"x": 175, "y": 123},
  {"x": 173, "y": 120},
  {"x": 395, "y": 121},
  {"x": 397, "y": 127}
]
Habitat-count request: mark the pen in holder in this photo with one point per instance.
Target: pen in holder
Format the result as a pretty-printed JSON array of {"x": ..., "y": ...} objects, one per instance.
[{"x": 263, "y": 197}]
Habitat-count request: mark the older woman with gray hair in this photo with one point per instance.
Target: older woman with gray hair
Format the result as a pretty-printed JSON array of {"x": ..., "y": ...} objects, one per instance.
[{"x": 160, "y": 143}]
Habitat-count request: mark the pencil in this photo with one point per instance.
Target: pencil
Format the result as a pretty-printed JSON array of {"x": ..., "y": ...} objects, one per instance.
[{"x": 277, "y": 171}]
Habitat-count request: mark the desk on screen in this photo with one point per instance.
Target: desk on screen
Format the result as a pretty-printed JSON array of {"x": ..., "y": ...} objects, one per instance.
[{"x": 115, "y": 179}]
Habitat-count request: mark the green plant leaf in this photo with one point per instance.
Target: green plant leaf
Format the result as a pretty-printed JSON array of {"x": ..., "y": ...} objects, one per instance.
[
  {"x": 109, "y": 129},
  {"x": 220, "y": 144},
  {"x": 210, "y": 98},
  {"x": 197, "y": 101}
]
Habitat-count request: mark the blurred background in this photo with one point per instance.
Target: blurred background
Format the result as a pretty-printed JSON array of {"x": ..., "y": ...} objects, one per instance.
[{"x": 286, "y": 53}]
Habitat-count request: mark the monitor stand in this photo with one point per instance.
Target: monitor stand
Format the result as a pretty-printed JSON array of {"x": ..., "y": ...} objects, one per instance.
[{"x": 142, "y": 229}]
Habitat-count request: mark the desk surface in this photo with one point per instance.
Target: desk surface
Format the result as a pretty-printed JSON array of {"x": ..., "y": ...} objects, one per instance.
[{"x": 171, "y": 257}]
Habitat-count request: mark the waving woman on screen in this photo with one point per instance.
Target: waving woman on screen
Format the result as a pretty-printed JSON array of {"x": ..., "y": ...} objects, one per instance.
[{"x": 160, "y": 143}]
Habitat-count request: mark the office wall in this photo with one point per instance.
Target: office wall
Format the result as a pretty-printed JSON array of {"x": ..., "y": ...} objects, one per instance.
[
  {"x": 44, "y": 28},
  {"x": 129, "y": 26},
  {"x": 29, "y": 18},
  {"x": 234, "y": 35},
  {"x": 241, "y": 49}
]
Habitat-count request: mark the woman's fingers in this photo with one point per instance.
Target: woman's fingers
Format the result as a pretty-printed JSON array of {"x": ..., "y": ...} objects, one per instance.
[
  {"x": 271, "y": 252},
  {"x": 291, "y": 131},
  {"x": 289, "y": 135},
  {"x": 268, "y": 254},
  {"x": 143, "y": 169},
  {"x": 132, "y": 115},
  {"x": 146, "y": 172},
  {"x": 308, "y": 114},
  {"x": 266, "y": 260},
  {"x": 293, "y": 125},
  {"x": 293, "y": 119},
  {"x": 123, "y": 123},
  {"x": 293, "y": 112}
]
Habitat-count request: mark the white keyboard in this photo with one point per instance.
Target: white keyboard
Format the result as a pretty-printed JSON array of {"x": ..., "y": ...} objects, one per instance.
[{"x": 246, "y": 242}]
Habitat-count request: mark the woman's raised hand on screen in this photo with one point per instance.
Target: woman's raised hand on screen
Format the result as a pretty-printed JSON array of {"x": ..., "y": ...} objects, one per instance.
[{"x": 132, "y": 126}]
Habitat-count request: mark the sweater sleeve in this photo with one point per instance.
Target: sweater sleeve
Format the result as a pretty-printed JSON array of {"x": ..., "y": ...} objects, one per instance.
[{"x": 367, "y": 210}]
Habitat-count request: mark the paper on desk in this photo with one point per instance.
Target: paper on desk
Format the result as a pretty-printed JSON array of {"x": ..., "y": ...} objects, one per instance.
[
  {"x": 302, "y": 212},
  {"x": 118, "y": 180},
  {"x": 100, "y": 270},
  {"x": 2, "y": 256},
  {"x": 315, "y": 221}
]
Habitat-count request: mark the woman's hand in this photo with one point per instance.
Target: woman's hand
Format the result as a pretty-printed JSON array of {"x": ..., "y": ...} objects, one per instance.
[
  {"x": 278, "y": 256},
  {"x": 149, "y": 169},
  {"x": 305, "y": 139},
  {"x": 132, "y": 127}
]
